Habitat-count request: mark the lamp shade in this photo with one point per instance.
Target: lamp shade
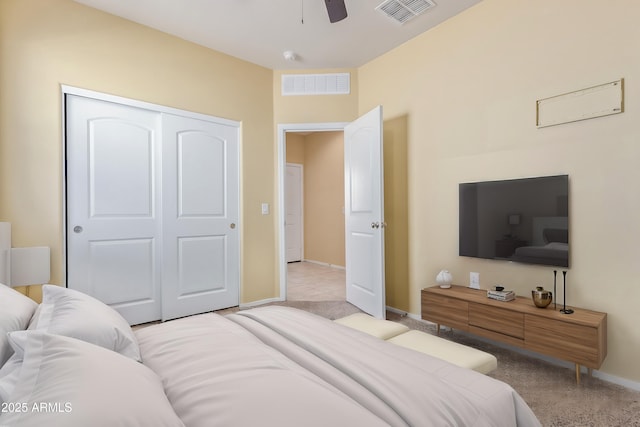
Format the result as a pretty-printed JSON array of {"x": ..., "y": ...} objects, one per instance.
[{"x": 30, "y": 266}]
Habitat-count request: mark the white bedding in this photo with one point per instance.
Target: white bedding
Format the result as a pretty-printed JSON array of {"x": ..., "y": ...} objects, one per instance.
[
  {"x": 271, "y": 366},
  {"x": 216, "y": 373},
  {"x": 280, "y": 366}
]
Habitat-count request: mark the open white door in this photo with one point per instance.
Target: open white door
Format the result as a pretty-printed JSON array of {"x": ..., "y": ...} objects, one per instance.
[{"x": 364, "y": 213}]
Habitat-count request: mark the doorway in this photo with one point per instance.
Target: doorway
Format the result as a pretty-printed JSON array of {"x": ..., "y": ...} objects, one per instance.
[
  {"x": 302, "y": 274},
  {"x": 363, "y": 215},
  {"x": 314, "y": 217}
]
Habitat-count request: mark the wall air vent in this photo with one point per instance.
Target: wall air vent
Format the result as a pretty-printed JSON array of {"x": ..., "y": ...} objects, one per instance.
[
  {"x": 403, "y": 10},
  {"x": 316, "y": 84}
]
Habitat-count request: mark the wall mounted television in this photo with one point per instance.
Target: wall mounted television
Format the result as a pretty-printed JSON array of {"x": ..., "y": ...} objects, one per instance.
[{"x": 523, "y": 220}]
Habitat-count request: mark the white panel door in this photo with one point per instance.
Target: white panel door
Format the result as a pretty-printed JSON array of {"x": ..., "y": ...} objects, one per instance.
[
  {"x": 113, "y": 205},
  {"x": 200, "y": 216},
  {"x": 364, "y": 214},
  {"x": 293, "y": 207}
]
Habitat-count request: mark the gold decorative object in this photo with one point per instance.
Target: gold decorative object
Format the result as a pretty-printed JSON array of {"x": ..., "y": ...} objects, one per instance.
[{"x": 541, "y": 298}]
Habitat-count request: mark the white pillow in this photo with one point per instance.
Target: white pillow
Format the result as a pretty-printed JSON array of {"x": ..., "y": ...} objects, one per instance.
[
  {"x": 9, "y": 374},
  {"x": 74, "y": 314},
  {"x": 65, "y": 381},
  {"x": 16, "y": 311}
]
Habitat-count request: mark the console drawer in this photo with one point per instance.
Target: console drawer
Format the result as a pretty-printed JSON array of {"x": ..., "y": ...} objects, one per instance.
[
  {"x": 564, "y": 340},
  {"x": 502, "y": 321},
  {"x": 447, "y": 311}
]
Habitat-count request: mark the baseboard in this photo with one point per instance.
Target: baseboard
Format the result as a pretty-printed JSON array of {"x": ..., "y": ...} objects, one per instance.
[
  {"x": 326, "y": 264},
  {"x": 403, "y": 313},
  {"x": 634, "y": 385},
  {"x": 624, "y": 382},
  {"x": 260, "y": 302}
]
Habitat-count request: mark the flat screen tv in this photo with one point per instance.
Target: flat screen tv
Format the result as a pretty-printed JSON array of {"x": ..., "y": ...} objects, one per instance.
[{"x": 522, "y": 220}]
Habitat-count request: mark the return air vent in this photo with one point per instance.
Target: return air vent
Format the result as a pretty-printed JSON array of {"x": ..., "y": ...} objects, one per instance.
[
  {"x": 316, "y": 84},
  {"x": 403, "y": 10}
]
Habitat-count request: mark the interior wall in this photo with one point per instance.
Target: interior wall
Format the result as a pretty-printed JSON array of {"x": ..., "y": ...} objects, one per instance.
[
  {"x": 295, "y": 148},
  {"x": 322, "y": 157},
  {"x": 324, "y": 228},
  {"x": 46, "y": 43},
  {"x": 468, "y": 88},
  {"x": 396, "y": 214}
]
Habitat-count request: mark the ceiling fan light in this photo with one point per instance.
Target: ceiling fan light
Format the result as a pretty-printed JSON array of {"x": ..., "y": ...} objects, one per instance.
[{"x": 289, "y": 55}]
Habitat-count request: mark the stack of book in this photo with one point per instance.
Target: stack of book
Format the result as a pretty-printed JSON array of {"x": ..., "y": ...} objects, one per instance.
[{"x": 501, "y": 295}]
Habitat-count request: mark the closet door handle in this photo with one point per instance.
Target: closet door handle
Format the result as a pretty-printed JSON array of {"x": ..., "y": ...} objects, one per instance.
[
  {"x": 77, "y": 229},
  {"x": 232, "y": 225}
]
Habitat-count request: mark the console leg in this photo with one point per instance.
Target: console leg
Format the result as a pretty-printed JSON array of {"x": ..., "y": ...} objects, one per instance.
[{"x": 577, "y": 374}]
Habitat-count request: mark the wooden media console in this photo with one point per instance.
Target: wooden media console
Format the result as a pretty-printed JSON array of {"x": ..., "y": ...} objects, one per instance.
[{"x": 580, "y": 337}]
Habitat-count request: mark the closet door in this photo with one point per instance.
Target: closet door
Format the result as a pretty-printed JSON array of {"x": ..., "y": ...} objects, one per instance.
[
  {"x": 152, "y": 202},
  {"x": 113, "y": 205},
  {"x": 200, "y": 216}
]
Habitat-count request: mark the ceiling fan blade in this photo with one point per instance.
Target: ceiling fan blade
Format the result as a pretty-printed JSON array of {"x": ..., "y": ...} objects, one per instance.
[{"x": 336, "y": 9}]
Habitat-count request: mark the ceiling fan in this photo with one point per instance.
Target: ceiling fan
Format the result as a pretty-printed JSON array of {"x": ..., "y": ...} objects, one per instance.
[{"x": 336, "y": 9}]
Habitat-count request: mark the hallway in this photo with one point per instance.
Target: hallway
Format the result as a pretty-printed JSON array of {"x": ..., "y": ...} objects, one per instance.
[{"x": 307, "y": 281}]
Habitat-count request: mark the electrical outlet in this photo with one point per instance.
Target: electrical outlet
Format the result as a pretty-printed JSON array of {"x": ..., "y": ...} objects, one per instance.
[
  {"x": 265, "y": 209},
  {"x": 474, "y": 280}
]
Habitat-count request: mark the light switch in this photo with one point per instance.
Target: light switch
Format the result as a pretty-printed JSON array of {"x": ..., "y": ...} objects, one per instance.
[
  {"x": 265, "y": 209},
  {"x": 474, "y": 280}
]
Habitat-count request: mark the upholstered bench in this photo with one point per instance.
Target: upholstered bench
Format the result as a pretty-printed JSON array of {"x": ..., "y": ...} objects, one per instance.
[
  {"x": 441, "y": 348},
  {"x": 383, "y": 329},
  {"x": 458, "y": 354}
]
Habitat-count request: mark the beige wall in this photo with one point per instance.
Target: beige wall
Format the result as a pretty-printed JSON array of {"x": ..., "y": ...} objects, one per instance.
[
  {"x": 396, "y": 204},
  {"x": 468, "y": 90},
  {"x": 324, "y": 198},
  {"x": 46, "y": 43},
  {"x": 295, "y": 148},
  {"x": 322, "y": 157}
]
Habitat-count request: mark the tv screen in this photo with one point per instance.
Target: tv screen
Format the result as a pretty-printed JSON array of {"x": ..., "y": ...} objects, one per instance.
[{"x": 522, "y": 220}]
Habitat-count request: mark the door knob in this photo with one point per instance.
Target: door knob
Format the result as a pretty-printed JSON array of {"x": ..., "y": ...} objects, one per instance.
[
  {"x": 232, "y": 225},
  {"x": 77, "y": 229},
  {"x": 375, "y": 225}
]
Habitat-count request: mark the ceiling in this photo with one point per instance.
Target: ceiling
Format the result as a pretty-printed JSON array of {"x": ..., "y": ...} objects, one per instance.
[{"x": 260, "y": 31}]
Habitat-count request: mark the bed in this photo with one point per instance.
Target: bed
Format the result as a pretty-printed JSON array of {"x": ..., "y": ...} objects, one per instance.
[{"x": 74, "y": 361}]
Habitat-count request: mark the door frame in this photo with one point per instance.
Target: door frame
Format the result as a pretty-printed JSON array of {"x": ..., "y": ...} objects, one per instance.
[
  {"x": 282, "y": 172},
  {"x": 71, "y": 90}
]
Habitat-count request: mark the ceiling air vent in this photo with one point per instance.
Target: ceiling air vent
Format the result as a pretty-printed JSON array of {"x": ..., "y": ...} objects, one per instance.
[
  {"x": 316, "y": 84},
  {"x": 403, "y": 10}
]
